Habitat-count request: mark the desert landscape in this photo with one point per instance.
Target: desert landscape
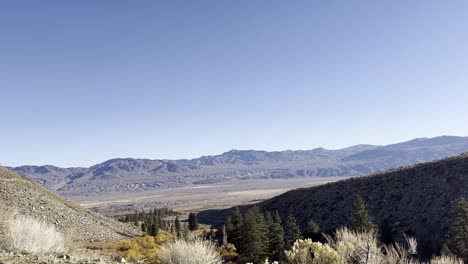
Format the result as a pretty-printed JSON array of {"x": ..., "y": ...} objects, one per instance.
[
  {"x": 196, "y": 198},
  {"x": 233, "y": 132}
]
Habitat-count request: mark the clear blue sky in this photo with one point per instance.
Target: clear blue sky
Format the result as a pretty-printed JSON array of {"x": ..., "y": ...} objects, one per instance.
[{"x": 86, "y": 81}]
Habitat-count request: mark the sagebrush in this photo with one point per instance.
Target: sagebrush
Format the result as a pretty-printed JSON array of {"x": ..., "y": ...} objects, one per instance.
[
  {"x": 190, "y": 252},
  {"x": 25, "y": 234}
]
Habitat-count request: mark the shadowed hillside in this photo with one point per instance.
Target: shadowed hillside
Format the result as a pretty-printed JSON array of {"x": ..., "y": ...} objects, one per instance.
[
  {"x": 27, "y": 198},
  {"x": 414, "y": 200}
]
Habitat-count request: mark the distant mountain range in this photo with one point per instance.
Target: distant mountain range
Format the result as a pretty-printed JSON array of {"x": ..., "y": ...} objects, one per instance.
[{"x": 133, "y": 175}]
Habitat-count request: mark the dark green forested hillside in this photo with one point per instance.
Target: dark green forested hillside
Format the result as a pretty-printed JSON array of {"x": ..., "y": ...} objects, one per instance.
[{"x": 417, "y": 201}]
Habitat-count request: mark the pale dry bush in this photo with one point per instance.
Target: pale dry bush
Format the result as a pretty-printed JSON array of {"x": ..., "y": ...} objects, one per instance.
[
  {"x": 25, "y": 234},
  {"x": 303, "y": 250},
  {"x": 300, "y": 253},
  {"x": 446, "y": 260},
  {"x": 350, "y": 247},
  {"x": 397, "y": 254},
  {"x": 366, "y": 248},
  {"x": 190, "y": 252},
  {"x": 412, "y": 244},
  {"x": 4, "y": 219}
]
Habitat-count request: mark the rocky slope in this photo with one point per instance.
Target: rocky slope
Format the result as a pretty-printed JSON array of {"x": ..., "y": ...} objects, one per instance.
[
  {"x": 20, "y": 194},
  {"x": 134, "y": 175},
  {"x": 79, "y": 257},
  {"x": 414, "y": 200}
]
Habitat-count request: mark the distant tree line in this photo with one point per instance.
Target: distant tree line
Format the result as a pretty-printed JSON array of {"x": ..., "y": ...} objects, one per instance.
[{"x": 154, "y": 220}]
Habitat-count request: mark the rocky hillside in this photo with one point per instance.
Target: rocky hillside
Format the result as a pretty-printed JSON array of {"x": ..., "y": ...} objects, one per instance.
[
  {"x": 27, "y": 198},
  {"x": 414, "y": 200},
  {"x": 133, "y": 175}
]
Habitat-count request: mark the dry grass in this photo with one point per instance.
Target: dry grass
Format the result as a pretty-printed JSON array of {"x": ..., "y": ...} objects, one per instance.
[
  {"x": 25, "y": 234},
  {"x": 190, "y": 252},
  {"x": 4, "y": 218},
  {"x": 446, "y": 260},
  {"x": 5, "y": 221},
  {"x": 366, "y": 246}
]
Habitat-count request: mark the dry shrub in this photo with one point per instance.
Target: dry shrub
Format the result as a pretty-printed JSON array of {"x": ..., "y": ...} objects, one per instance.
[
  {"x": 397, "y": 254},
  {"x": 446, "y": 260},
  {"x": 25, "y": 234},
  {"x": 5, "y": 218},
  {"x": 366, "y": 247},
  {"x": 190, "y": 252},
  {"x": 145, "y": 248}
]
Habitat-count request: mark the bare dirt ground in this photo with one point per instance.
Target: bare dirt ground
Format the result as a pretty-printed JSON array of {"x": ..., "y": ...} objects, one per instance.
[{"x": 197, "y": 198}]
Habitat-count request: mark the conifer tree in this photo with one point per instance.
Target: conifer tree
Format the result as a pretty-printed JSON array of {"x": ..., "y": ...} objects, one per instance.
[
  {"x": 185, "y": 231},
  {"x": 268, "y": 218},
  {"x": 154, "y": 229},
  {"x": 234, "y": 227},
  {"x": 312, "y": 227},
  {"x": 178, "y": 227},
  {"x": 143, "y": 227},
  {"x": 254, "y": 241},
  {"x": 225, "y": 237},
  {"x": 193, "y": 222},
  {"x": 360, "y": 220},
  {"x": 135, "y": 220},
  {"x": 292, "y": 232},
  {"x": 276, "y": 239},
  {"x": 458, "y": 234}
]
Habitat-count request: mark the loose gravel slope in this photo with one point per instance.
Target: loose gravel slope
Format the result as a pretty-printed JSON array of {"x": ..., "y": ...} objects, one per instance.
[{"x": 20, "y": 194}]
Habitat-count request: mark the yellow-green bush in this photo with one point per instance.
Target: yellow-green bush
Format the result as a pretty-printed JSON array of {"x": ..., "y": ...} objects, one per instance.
[{"x": 143, "y": 248}]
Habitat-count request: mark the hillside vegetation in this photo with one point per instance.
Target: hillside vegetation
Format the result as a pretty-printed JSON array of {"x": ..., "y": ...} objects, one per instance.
[{"x": 415, "y": 200}]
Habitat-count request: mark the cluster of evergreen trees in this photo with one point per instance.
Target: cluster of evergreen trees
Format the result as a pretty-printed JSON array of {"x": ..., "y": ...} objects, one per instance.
[
  {"x": 258, "y": 235},
  {"x": 154, "y": 220},
  {"x": 457, "y": 241}
]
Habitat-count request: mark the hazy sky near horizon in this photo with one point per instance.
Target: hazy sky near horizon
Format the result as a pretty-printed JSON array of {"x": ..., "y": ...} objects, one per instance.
[{"x": 85, "y": 81}]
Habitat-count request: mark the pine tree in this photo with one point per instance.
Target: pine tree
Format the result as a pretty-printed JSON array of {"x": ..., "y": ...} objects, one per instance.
[
  {"x": 254, "y": 240},
  {"x": 193, "y": 222},
  {"x": 234, "y": 228},
  {"x": 225, "y": 237},
  {"x": 154, "y": 229},
  {"x": 143, "y": 227},
  {"x": 360, "y": 217},
  {"x": 292, "y": 232},
  {"x": 458, "y": 234},
  {"x": 276, "y": 239},
  {"x": 135, "y": 219},
  {"x": 178, "y": 227},
  {"x": 312, "y": 227},
  {"x": 446, "y": 251},
  {"x": 185, "y": 231},
  {"x": 268, "y": 219}
]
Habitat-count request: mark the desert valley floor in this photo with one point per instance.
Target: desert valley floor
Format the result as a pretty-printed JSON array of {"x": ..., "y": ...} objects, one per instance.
[{"x": 197, "y": 198}]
